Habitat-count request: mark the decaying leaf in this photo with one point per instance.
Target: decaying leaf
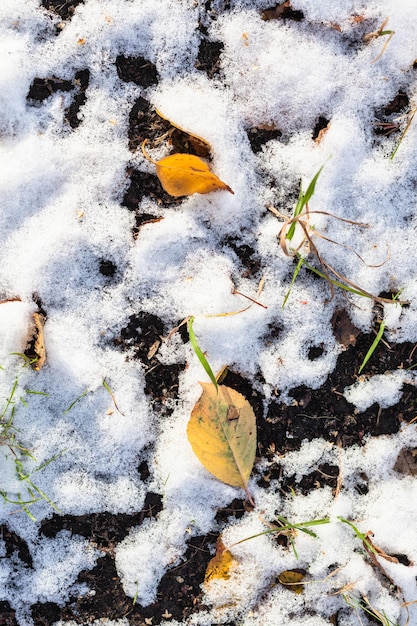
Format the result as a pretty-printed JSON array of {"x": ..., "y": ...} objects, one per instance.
[
  {"x": 186, "y": 174},
  {"x": 292, "y": 579},
  {"x": 406, "y": 462},
  {"x": 219, "y": 565},
  {"x": 39, "y": 343},
  {"x": 222, "y": 434},
  {"x": 343, "y": 329}
]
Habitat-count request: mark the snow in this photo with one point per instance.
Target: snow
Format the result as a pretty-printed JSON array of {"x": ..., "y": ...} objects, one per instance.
[{"x": 61, "y": 213}]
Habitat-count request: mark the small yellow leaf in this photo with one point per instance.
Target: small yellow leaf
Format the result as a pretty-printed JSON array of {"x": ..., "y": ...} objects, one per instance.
[
  {"x": 291, "y": 578},
  {"x": 185, "y": 174},
  {"x": 220, "y": 564},
  {"x": 222, "y": 434}
]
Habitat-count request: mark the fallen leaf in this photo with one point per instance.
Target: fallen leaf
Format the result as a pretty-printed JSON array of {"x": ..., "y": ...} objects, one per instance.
[
  {"x": 343, "y": 329},
  {"x": 406, "y": 462},
  {"x": 185, "y": 174},
  {"x": 222, "y": 434},
  {"x": 220, "y": 564},
  {"x": 291, "y": 579},
  {"x": 39, "y": 343}
]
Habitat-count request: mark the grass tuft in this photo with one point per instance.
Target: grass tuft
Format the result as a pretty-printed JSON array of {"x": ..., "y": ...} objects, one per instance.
[
  {"x": 289, "y": 529},
  {"x": 9, "y": 437},
  {"x": 301, "y": 216}
]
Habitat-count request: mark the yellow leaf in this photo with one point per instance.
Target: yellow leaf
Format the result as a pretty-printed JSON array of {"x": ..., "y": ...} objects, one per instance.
[
  {"x": 290, "y": 579},
  {"x": 220, "y": 564},
  {"x": 185, "y": 174},
  {"x": 222, "y": 434}
]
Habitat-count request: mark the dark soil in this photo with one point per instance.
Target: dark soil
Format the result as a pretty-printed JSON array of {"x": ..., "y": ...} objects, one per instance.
[{"x": 323, "y": 412}]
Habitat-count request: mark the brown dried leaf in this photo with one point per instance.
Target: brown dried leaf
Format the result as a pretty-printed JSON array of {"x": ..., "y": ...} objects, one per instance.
[
  {"x": 39, "y": 343},
  {"x": 343, "y": 329},
  {"x": 406, "y": 462}
]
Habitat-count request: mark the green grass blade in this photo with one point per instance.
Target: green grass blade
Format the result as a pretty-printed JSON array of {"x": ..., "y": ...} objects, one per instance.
[
  {"x": 300, "y": 203},
  {"x": 50, "y": 460},
  {"x": 292, "y": 543},
  {"x": 373, "y": 346},
  {"x": 199, "y": 353},
  {"x": 302, "y": 526},
  {"x": 294, "y": 277},
  {"x": 45, "y": 497},
  {"x": 403, "y": 134},
  {"x": 298, "y": 208},
  {"x": 311, "y": 188},
  {"x": 303, "y": 198},
  {"x": 107, "y": 388},
  {"x": 9, "y": 399},
  {"x": 359, "y": 535},
  {"x": 334, "y": 282},
  {"x": 84, "y": 393},
  {"x": 286, "y": 525}
]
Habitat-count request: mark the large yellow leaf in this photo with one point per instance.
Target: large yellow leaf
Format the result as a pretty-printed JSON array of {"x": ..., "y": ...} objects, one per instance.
[
  {"x": 185, "y": 174},
  {"x": 222, "y": 433}
]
